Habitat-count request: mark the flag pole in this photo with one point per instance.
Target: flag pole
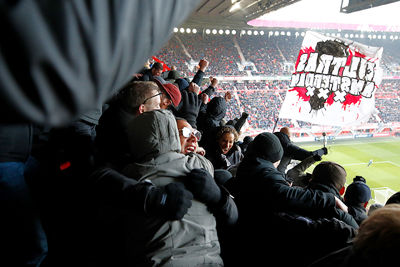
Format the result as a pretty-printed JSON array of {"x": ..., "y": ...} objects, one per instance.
[{"x": 276, "y": 122}]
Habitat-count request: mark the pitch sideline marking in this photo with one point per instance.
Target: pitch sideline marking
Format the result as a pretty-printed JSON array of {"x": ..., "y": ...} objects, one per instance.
[{"x": 377, "y": 162}]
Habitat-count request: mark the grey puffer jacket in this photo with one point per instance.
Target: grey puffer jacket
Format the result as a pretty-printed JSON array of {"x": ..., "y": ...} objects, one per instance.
[{"x": 192, "y": 241}]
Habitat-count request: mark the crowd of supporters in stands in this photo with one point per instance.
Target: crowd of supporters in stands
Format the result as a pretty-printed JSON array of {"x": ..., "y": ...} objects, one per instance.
[
  {"x": 160, "y": 177},
  {"x": 268, "y": 55}
]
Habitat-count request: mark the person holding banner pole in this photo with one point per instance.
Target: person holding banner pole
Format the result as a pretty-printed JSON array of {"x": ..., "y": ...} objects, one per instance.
[{"x": 291, "y": 151}]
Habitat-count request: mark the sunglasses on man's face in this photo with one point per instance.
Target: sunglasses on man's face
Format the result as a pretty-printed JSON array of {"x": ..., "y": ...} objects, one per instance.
[{"x": 187, "y": 132}]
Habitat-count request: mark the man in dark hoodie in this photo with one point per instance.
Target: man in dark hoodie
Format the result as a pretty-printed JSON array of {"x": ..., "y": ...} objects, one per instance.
[{"x": 357, "y": 197}]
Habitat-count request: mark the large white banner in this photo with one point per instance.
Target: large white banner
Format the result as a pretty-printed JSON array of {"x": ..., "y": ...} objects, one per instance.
[{"x": 334, "y": 82}]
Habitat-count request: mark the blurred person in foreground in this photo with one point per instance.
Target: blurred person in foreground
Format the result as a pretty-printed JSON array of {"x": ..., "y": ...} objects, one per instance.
[{"x": 376, "y": 244}]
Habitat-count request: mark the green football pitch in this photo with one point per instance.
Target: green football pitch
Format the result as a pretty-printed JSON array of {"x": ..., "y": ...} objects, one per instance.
[{"x": 355, "y": 154}]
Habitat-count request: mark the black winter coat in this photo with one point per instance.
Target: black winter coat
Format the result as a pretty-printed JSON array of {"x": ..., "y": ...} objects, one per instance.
[
  {"x": 306, "y": 239},
  {"x": 15, "y": 142},
  {"x": 209, "y": 122},
  {"x": 358, "y": 212},
  {"x": 260, "y": 184},
  {"x": 339, "y": 214},
  {"x": 111, "y": 136}
]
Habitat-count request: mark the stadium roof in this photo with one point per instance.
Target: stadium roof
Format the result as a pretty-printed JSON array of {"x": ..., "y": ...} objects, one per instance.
[
  {"x": 297, "y": 13},
  {"x": 232, "y": 13},
  {"x": 317, "y": 14}
]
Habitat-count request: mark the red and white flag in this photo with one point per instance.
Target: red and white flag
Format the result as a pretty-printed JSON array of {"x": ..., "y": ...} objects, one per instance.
[
  {"x": 165, "y": 66},
  {"x": 334, "y": 82}
]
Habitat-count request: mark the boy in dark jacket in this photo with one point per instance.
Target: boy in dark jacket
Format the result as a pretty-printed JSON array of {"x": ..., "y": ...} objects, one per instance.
[{"x": 356, "y": 198}]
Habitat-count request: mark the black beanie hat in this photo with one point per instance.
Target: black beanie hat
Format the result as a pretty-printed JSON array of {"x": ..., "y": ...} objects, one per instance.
[
  {"x": 267, "y": 146},
  {"x": 357, "y": 192}
]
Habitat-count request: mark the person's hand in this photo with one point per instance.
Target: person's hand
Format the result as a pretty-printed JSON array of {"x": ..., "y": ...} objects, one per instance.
[
  {"x": 193, "y": 87},
  {"x": 228, "y": 96},
  {"x": 203, "y": 186},
  {"x": 321, "y": 151},
  {"x": 137, "y": 75},
  {"x": 339, "y": 204},
  {"x": 203, "y": 64},
  {"x": 201, "y": 151},
  {"x": 171, "y": 201},
  {"x": 317, "y": 157},
  {"x": 214, "y": 82},
  {"x": 205, "y": 98}
]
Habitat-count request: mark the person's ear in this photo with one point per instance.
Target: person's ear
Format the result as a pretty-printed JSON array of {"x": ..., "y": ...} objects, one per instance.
[
  {"x": 141, "y": 109},
  {"x": 341, "y": 192}
]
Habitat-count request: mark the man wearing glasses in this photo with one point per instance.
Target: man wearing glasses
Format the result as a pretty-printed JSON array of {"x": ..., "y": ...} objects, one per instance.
[
  {"x": 122, "y": 191},
  {"x": 131, "y": 101},
  {"x": 189, "y": 138}
]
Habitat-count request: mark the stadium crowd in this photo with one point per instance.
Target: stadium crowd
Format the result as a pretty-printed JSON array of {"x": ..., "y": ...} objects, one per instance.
[
  {"x": 268, "y": 55},
  {"x": 163, "y": 180},
  {"x": 158, "y": 176}
]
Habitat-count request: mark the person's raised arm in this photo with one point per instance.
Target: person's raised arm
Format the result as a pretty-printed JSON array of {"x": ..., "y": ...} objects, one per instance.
[{"x": 171, "y": 201}]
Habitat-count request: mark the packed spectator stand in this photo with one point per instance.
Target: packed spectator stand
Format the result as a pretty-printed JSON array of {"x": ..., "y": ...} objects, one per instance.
[
  {"x": 155, "y": 173},
  {"x": 271, "y": 57}
]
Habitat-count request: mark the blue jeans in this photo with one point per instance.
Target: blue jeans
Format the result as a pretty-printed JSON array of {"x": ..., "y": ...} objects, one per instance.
[{"x": 22, "y": 238}]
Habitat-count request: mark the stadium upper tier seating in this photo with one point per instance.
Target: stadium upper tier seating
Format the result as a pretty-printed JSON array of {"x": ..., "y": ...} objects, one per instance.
[{"x": 268, "y": 56}]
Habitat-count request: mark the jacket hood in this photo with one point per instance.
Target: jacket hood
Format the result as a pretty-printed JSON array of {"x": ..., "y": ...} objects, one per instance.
[
  {"x": 152, "y": 134},
  {"x": 216, "y": 108}
]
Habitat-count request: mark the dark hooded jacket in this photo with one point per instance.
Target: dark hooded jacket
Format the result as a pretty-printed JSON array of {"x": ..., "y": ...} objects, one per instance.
[
  {"x": 358, "y": 212},
  {"x": 15, "y": 142},
  {"x": 208, "y": 123},
  {"x": 111, "y": 138},
  {"x": 339, "y": 214}
]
